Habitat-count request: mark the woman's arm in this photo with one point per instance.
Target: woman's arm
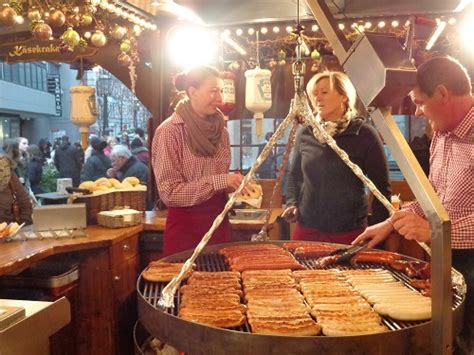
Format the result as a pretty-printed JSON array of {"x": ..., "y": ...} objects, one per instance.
[{"x": 295, "y": 175}]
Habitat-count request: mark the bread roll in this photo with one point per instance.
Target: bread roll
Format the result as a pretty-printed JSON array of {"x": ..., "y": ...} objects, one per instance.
[
  {"x": 254, "y": 192},
  {"x": 126, "y": 185},
  {"x": 3, "y": 226},
  {"x": 103, "y": 182},
  {"x": 115, "y": 183},
  {"x": 132, "y": 180},
  {"x": 88, "y": 185}
]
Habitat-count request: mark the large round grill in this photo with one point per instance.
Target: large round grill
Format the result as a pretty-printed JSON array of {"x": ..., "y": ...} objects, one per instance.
[{"x": 194, "y": 338}]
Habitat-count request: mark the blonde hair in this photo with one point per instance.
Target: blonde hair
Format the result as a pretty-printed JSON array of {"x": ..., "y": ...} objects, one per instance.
[{"x": 338, "y": 81}]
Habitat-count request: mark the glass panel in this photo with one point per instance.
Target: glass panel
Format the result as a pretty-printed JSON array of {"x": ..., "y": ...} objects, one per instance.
[
  {"x": 249, "y": 155},
  {"x": 14, "y": 127},
  {"x": 44, "y": 79},
  {"x": 8, "y": 72},
  {"x": 1, "y": 72},
  {"x": 402, "y": 122},
  {"x": 235, "y": 158},
  {"x": 15, "y": 73},
  {"x": 21, "y": 67},
  {"x": 28, "y": 74},
  {"x": 34, "y": 78},
  {"x": 233, "y": 126},
  {"x": 249, "y": 134}
]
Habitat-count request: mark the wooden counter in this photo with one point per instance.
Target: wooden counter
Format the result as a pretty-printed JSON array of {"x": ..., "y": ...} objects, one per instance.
[
  {"x": 18, "y": 255},
  {"x": 104, "y": 302}
]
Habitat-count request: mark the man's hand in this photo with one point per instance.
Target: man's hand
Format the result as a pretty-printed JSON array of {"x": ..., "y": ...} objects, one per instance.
[
  {"x": 375, "y": 234},
  {"x": 411, "y": 226}
]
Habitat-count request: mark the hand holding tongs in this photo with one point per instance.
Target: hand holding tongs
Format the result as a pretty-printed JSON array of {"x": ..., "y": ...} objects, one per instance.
[{"x": 338, "y": 256}]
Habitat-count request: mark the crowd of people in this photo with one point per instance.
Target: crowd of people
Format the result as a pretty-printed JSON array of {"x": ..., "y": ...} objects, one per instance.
[{"x": 117, "y": 157}]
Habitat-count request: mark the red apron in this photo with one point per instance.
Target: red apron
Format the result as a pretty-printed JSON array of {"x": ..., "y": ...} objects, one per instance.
[
  {"x": 315, "y": 235},
  {"x": 185, "y": 226}
]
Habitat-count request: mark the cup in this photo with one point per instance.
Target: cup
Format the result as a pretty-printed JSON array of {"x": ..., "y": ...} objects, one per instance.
[{"x": 61, "y": 185}]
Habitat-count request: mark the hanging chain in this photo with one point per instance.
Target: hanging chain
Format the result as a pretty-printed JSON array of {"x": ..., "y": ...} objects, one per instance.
[
  {"x": 262, "y": 235},
  {"x": 298, "y": 67}
]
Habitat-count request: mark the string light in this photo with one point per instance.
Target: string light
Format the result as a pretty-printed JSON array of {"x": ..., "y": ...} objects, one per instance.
[
  {"x": 452, "y": 21},
  {"x": 250, "y": 31},
  {"x": 341, "y": 26},
  {"x": 381, "y": 24},
  {"x": 239, "y": 32},
  {"x": 368, "y": 24},
  {"x": 264, "y": 30},
  {"x": 289, "y": 29},
  {"x": 395, "y": 23},
  {"x": 276, "y": 29},
  {"x": 434, "y": 37},
  {"x": 315, "y": 28}
]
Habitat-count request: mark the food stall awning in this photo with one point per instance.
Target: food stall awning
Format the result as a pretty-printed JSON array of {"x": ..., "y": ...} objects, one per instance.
[{"x": 246, "y": 11}]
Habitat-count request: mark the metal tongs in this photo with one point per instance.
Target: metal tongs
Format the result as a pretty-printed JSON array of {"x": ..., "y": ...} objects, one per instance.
[
  {"x": 346, "y": 253},
  {"x": 338, "y": 256}
]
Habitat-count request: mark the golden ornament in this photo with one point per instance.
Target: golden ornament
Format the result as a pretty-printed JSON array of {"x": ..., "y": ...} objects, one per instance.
[
  {"x": 34, "y": 15},
  {"x": 71, "y": 37},
  {"x": 7, "y": 16},
  {"x": 73, "y": 19},
  {"x": 42, "y": 31},
  {"x": 86, "y": 19},
  {"x": 98, "y": 39},
  {"x": 118, "y": 32},
  {"x": 56, "y": 18},
  {"x": 124, "y": 59},
  {"x": 125, "y": 46}
]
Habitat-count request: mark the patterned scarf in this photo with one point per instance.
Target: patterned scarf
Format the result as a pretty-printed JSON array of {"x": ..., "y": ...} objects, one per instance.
[
  {"x": 334, "y": 128},
  {"x": 203, "y": 135}
]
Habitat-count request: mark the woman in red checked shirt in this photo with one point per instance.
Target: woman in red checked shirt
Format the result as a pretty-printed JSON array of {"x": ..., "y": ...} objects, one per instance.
[{"x": 191, "y": 161}]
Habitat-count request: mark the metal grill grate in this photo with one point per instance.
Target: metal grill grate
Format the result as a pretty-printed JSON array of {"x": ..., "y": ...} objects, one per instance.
[{"x": 151, "y": 292}]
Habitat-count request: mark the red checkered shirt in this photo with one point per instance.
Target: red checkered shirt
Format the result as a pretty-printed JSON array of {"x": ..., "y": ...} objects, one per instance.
[
  {"x": 182, "y": 178},
  {"x": 452, "y": 176}
]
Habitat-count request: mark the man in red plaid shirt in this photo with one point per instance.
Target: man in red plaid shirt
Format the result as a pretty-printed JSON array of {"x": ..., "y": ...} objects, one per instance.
[{"x": 443, "y": 94}]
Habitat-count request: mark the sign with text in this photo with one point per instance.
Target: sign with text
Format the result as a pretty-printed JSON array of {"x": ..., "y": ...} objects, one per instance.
[
  {"x": 36, "y": 51},
  {"x": 54, "y": 87}
]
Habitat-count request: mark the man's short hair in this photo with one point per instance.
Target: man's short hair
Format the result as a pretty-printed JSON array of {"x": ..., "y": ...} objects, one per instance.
[
  {"x": 121, "y": 151},
  {"x": 445, "y": 71}
]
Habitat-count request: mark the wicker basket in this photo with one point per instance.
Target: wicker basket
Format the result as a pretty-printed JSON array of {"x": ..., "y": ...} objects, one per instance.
[
  {"x": 111, "y": 200},
  {"x": 119, "y": 218}
]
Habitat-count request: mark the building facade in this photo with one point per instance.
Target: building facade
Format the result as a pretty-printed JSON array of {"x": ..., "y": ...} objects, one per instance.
[{"x": 35, "y": 101}]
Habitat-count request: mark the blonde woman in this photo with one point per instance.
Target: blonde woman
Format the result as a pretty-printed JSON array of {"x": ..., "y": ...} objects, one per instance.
[{"x": 328, "y": 202}]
